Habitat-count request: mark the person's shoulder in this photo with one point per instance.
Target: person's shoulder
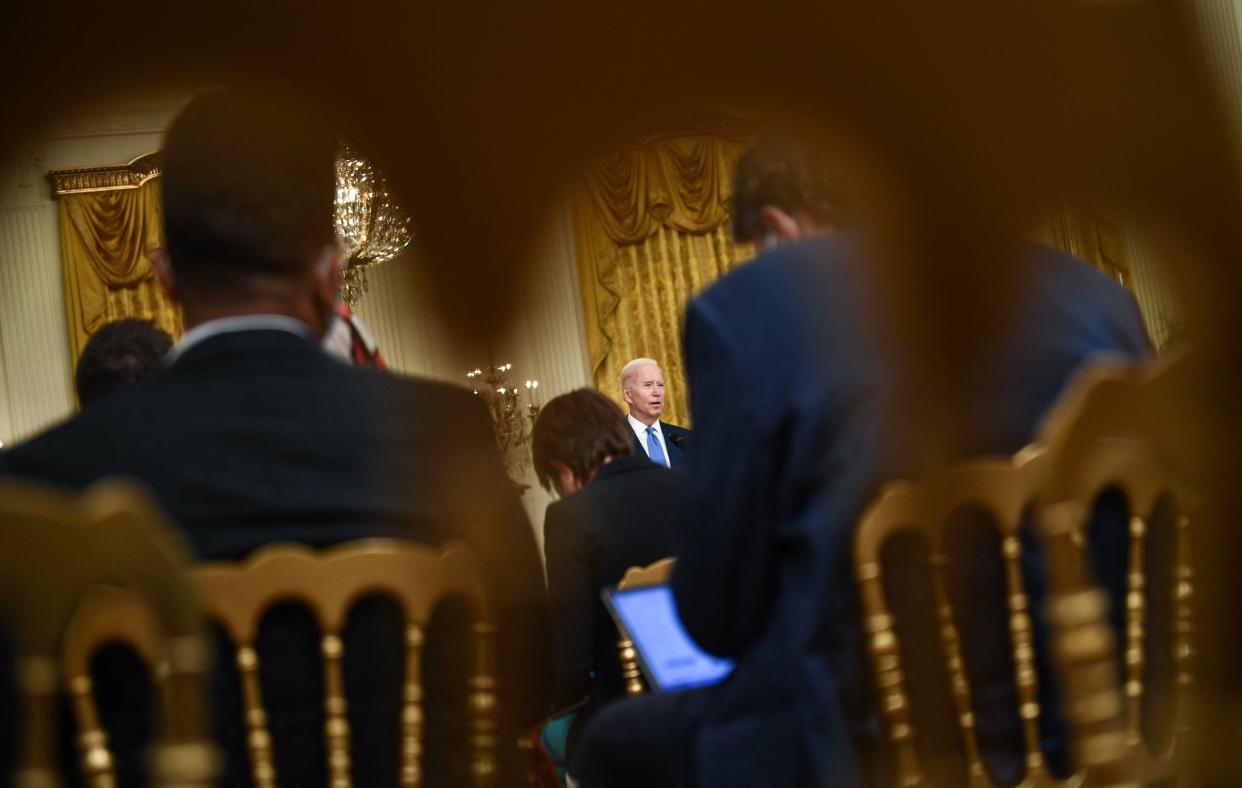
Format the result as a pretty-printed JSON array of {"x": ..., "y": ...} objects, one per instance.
[
  {"x": 647, "y": 474},
  {"x": 1070, "y": 281},
  {"x": 1054, "y": 264},
  {"x": 103, "y": 426},
  {"x": 783, "y": 275},
  {"x": 572, "y": 515},
  {"x": 675, "y": 429}
]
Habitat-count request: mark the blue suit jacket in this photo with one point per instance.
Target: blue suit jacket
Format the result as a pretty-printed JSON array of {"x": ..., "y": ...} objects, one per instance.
[
  {"x": 676, "y": 454},
  {"x": 764, "y": 570}
]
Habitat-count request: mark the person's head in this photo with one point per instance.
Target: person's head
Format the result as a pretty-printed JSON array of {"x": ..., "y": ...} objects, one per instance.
[
  {"x": 642, "y": 388},
  {"x": 783, "y": 191},
  {"x": 118, "y": 355},
  {"x": 574, "y": 435},
  {"x": 249, "y": 182}
]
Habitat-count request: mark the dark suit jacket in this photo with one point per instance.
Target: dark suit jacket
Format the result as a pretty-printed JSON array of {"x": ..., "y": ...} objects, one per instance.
[
  {"x": 625, "y": 517},
  {"x": 257, "y": 437},
  {"x": 786, "y": 463},
  {"x": 676, "y": 454}
]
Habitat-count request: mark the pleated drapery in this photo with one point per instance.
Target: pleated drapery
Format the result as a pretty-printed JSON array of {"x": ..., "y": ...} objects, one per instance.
[
  {"x": 652, "y": 226},
  {"x": 107, "y": 239}
]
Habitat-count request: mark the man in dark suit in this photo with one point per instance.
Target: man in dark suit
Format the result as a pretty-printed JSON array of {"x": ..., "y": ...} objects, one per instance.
[
  {"x": 792, "y": 390},
  {"x": 642, "y": 388},
  {"x": 617, "y": 510},
  {"x": 253, "y": 435}
]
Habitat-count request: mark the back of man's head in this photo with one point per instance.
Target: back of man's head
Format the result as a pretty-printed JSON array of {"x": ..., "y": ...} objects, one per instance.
[
  {"x": 579, "y": 431},
  {"x": 787, "y": 172},
  {"x": 249, "y": 182},
  {"x": 118, "y": 355}
]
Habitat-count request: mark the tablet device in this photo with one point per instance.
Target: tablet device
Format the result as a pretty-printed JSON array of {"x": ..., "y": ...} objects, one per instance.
[{"x": 668, "y": 657}]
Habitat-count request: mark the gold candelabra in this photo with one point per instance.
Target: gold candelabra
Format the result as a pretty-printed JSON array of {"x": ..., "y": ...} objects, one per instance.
[{"x": 511, "y": 421}]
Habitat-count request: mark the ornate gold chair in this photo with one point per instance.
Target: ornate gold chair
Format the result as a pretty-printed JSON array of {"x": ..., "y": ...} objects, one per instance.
[
  {"x": 329, "y": 582},
  {"x": 637, "y": 577},
  {"x": 1110, "y": 431},
  {"x": 104, "y": 565},
  {"x": 1128, "y": 429}
]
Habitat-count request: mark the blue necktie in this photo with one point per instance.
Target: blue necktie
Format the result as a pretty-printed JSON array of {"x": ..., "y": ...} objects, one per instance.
[{"x": 654, "y": 451}]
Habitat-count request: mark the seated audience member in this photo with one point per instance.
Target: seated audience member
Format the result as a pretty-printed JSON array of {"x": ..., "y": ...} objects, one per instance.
[
  {"x": 642, "y": 388},
  {"x": 254, "y": 435},
  {"x": 617, "y": 510},
  {"x": 791, "y": 383},
  {"x": 119, "y": 355}
]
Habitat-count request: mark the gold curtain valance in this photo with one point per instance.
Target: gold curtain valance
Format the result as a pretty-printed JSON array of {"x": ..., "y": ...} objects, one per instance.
[
  {"x": 111, "y": 224},
  {"x": 115, "y": 232},
  {"x": 682, "y": 182}
]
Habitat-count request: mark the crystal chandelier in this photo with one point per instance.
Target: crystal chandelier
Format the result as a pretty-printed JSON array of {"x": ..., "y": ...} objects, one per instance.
[
  {"x": 511, "y": 422},
  {"x": 371, "y": 225}
]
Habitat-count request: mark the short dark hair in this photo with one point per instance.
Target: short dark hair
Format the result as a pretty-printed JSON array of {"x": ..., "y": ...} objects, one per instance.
[
  {"x": 249, "y": 183},
  {"x": 578, "y": 430},
  {"x": 785, "y": 172},
  {"x": 118, "y": 355}
]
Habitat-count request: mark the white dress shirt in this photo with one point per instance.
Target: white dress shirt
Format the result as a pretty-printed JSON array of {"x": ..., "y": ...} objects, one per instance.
[
  {"x": 640, "y": 430},
  {"x": 229, "y": 325}
]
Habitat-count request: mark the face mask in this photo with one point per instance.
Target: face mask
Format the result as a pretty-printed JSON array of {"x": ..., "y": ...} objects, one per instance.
[{"x": 323, "y": 269}]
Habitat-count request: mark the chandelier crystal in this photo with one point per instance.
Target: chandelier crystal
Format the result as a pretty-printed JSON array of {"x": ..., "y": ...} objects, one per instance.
[{"x": 371, "y": 225}]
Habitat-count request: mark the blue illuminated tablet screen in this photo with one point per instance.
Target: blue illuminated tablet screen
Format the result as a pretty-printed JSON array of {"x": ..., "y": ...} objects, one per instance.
[{"x": 670, "y": 660}]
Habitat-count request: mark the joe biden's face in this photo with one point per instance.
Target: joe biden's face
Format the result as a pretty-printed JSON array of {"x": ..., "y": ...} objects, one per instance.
[{"x": 645, "y": 393}]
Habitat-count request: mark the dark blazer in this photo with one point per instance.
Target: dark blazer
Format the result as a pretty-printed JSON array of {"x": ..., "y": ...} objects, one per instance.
[
  {"x": 786, "y": 463},
  {"x": 672, "y": 436},
  {"x": 257, "y": 437},
  {"x": 625, "y": 517}
]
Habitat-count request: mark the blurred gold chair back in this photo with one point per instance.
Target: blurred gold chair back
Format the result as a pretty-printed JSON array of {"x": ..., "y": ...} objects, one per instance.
[
  {"x": 637, "y": 577},
  {"x": 329, "y": 582},
  {"x": 1127, "y": 429},
  {"x": 1096, "y": 438},
  {"x": 82, "y": 570},
  {"x": 1002, "y": 488}
]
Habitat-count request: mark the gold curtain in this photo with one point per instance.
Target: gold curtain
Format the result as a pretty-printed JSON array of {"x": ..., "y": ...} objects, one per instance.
[
  {"x": 107, "y": 238},
  {"x": 652, "y": 226}
]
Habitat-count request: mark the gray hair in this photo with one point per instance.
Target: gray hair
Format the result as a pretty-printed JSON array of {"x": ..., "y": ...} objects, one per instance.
[{"x": 627, "y": 372}]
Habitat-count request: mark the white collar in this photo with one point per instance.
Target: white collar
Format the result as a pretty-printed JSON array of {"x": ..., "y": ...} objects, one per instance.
[
  {"x": 229, "y": 325},
  {"x": 640, "y": 429}
]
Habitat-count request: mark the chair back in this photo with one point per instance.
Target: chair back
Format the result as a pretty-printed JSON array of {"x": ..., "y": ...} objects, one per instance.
[
  {"x": 1127, "y": 429},
  {"x": 653, "y": 574},
  {"x": 1097, "y": 438},
  {"x": 79, "y": 570},
  {"x": 329, "y": 582}
]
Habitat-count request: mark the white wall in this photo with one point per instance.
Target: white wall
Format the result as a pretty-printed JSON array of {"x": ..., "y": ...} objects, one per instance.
[{"x": 35, "y": 377}]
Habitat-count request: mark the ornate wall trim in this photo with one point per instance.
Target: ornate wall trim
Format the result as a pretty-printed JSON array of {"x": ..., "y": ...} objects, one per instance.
[{"x": 79, "y": 180}]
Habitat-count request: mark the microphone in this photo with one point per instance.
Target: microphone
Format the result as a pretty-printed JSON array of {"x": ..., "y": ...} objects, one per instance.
[{"x": 678, "y": 440}]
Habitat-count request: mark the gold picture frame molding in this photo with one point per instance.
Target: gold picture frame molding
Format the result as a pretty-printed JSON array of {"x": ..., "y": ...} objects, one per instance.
[{"x": 84, "y": 180}]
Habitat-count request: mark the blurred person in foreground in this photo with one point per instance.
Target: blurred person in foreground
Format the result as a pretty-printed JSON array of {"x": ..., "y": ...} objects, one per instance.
[
  {"x": 254, "y": 435},
  {"x": 642, "y": 388},
  {"x": 119, "y": 355},
  {"x": 616, "y": 510},
  {"x": 792, "y": 385}
]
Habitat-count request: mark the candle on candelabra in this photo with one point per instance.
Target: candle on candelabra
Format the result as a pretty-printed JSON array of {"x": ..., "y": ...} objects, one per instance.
[{"x": 511, "y": 426}]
